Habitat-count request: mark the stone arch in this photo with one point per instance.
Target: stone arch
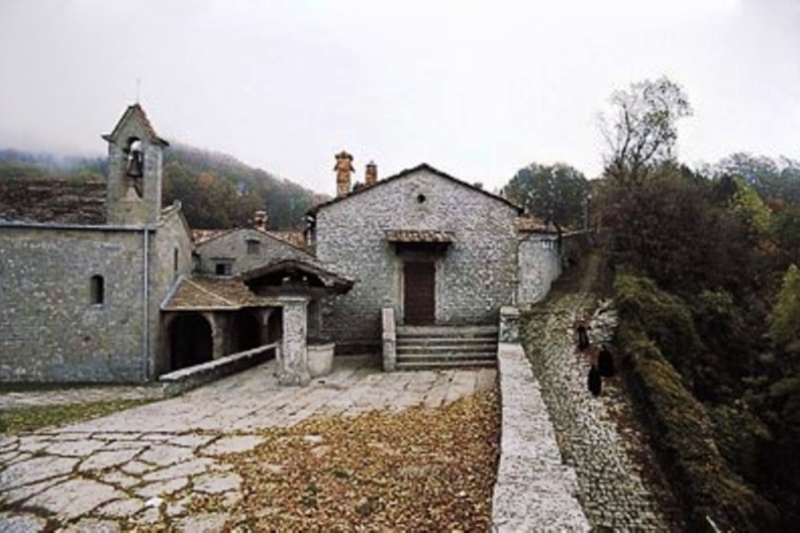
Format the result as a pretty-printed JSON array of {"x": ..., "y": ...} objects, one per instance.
[
  {"x": 190, "y": 338},
  {"x": 246, "y": 331}
]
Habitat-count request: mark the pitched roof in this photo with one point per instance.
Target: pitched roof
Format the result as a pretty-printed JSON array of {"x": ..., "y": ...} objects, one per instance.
[
  {"x": 213, "y": 293},
  {"x": 206, "y": 292},
  {"x": 329, "y": 279},
  {"x": 136, "y": 111},
  {"x": 407, "y": 172},
  {"x": 295, "y": 239},
  {"x": 534, "y": 225},
  {"x": 199, "y": 236}
]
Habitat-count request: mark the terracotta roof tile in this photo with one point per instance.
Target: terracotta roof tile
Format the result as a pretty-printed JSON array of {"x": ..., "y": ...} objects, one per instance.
[
  {"x": 201, "y": 235},
  {"x": 295, "y": 238},
  {"x": 209, "y": 292},
  {"x": 533, "y": 225}
]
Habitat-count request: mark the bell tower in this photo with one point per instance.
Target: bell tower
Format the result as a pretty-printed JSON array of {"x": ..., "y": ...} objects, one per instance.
[{"x": 135, "y": 158}]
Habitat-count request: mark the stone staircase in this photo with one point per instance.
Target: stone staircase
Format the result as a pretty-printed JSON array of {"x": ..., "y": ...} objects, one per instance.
[{"x": 436, "y": 347}]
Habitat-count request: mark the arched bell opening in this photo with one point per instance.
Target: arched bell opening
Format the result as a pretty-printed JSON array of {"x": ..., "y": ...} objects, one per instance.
[{"x": 134, "y": 164}]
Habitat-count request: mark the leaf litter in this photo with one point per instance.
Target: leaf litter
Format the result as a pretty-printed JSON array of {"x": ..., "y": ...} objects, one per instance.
[{"x": 412, "y": 470}]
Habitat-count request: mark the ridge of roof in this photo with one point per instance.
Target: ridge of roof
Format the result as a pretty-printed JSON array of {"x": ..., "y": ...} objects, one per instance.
[
  {"x": 214, "y": 234},
  {"x": 138, "y": 110},
  {"x": 408, "y": 171}
]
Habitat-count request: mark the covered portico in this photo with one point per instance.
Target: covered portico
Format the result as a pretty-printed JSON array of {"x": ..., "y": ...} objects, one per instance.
[{"x": 209, "y": 317}]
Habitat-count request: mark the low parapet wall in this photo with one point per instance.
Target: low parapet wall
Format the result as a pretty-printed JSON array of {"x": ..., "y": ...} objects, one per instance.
[
  {"x": 534, "y": 491},
  {"x": 185, "y": 379}
]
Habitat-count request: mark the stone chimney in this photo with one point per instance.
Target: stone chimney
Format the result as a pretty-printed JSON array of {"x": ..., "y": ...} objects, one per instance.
[
  {"x": 371, "y": 176},
  {"x": 343, "y": 168},
  {"x": 260, "y": 220}
]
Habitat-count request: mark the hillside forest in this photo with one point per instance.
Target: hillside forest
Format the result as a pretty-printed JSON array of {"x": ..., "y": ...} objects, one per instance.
[
  {"x": 216, "y": 190},
  {"x": 703, "y": 268}
]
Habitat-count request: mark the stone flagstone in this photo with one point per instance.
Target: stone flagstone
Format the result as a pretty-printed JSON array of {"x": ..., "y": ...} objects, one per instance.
[
  {"x": 75, "y": 497},
  {"x": 163, "y": 449},
  {"x": 36, "y": 469},
  {"x": 103, "y": 459},
  {"x": 217, "y": 483},
  {"x": 235, "y": 444}
]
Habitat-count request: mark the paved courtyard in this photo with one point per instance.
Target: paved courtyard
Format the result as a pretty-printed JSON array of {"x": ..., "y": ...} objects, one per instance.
[{"x": 142, "y": 467}]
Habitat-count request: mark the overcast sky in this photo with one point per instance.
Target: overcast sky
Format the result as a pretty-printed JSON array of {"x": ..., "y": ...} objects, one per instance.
[{"x": 476, "y": 89}]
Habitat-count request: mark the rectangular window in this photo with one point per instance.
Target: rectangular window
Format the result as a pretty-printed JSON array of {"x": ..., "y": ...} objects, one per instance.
[
  {"x": 97, "y": 290},
  {"x": 224, "y": 269},
  {"x": 253, "y": 247}
]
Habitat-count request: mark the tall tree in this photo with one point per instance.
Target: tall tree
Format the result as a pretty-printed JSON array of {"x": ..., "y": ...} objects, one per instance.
[
  {"x": 641, "y": 131},
  {"x": 556, "y": 193}
]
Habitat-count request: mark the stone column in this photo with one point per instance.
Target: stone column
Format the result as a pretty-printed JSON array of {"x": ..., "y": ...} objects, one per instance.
[
  {"x": 218, "y": 328},
  {"x": 509, "y": 324},
  {"x": 293, "y": 358}
]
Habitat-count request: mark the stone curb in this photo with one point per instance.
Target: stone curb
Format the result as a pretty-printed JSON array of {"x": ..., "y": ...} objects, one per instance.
[{"x": 534, "y": 490}]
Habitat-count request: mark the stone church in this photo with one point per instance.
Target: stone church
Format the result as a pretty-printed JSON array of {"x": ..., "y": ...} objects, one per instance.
[{"x": 135, "y": 297}]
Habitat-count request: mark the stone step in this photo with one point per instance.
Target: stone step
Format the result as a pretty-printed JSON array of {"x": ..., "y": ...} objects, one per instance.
[
  {"x": 434, "y": 365},
  {"x": 446, "y": 341},
  {"x": 447, "y": 331},
  {"x": 446, "y": 348},
  {"x": 447, "y": 357}
]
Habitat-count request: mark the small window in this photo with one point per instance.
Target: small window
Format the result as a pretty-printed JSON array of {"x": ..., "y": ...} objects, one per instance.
[
  {"x": 97, "y": 290},
  {"x": 175, "y": 262},
  {"x": 224, "y": 269},
  {"x": 421, "y": 198},
  {"x": 253, "y": 247}
]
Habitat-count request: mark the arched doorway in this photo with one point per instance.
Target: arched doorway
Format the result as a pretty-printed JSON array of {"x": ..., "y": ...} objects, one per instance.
[
  {"x": 190, "y": 341},
  {"x": 247, "y": 331}
]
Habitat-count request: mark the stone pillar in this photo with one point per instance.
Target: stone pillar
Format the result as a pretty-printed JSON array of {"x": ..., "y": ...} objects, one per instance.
[
  {"x": 509, "y": 324},
  {"x": 293, "y": 358},
  {"x": 218, "y": 337},
  {"x": 389, "y": 340},
  {"x": 263, "y": 321}
]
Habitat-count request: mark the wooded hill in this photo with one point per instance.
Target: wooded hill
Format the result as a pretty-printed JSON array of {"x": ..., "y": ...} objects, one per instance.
[
  {"x": 216, "y": 190},
  {"x": 702, "y": 265}
]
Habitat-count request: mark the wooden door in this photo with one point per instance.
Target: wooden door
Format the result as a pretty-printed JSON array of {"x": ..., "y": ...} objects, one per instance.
[{"x": 419, "y": 290}]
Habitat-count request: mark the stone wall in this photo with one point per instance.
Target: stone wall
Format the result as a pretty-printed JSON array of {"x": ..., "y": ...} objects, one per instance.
[
  {"x": 233, "y": 247},
  {"x": 474, "y": 277},
  {"x": 58, "y": 200},
  {"x": 49, "y": 328},
  {"x": 173, "y": 249},
  {"x": 539, "y": 264}
]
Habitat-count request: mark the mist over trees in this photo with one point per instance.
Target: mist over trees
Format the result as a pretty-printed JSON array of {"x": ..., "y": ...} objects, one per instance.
[{"x": 216, "y": 190}]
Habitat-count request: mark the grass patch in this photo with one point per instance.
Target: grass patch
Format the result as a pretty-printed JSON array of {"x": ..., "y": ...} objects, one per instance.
[
  {"x": 22, "y": 419},
  {"x": 35, "y": 386}
]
